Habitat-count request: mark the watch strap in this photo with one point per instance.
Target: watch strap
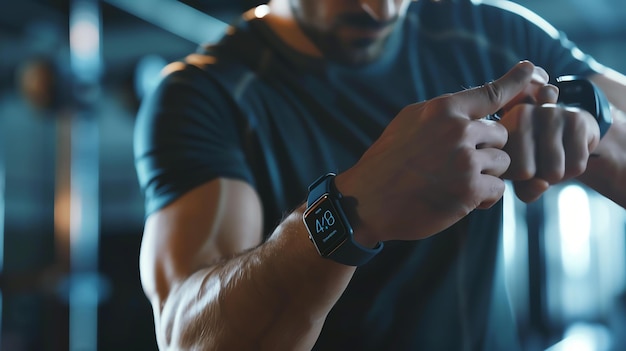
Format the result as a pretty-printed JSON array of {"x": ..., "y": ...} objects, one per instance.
[
  {"x": 580, "y": 92},
  {"x": 348, "y": 252}
]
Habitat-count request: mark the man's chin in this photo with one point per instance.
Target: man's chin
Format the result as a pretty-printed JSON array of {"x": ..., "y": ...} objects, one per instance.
[
  {"x": 357, "y": 52},
  {"x": 363, "y": 44}
]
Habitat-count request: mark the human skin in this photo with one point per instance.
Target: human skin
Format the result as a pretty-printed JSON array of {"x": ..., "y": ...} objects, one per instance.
[
  {"x": 214, "y": 283},
  {"x": 207, "y": 271}
]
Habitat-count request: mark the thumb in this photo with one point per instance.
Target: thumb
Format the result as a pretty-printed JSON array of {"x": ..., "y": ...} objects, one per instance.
[{"x": 481, "y": 101}]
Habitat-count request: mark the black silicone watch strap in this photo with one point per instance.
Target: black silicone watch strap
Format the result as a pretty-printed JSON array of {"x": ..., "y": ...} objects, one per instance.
[
  {"x": 348, "y": 252},
  {"x": 580, "y": 92}
]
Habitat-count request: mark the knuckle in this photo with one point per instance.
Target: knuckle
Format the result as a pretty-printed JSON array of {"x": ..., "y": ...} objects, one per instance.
[
  {"x": 526, "y": 173},
  {"x": 471, "y": 192},
  {"x": 456, "y": 130},
  {"x": 520, "y": 119},
  {"x": 465, "y": 160},
  {"x": 520, "y": 170},
  {"x": 465, "y": 128},
  {"x": 554, "y": 174},
  {"x": 494, "y": 92},
  {"x": 497, "y": 191},
  {"x": 551, "y": 116},
  {"x": 503, "y": 158},
  {"x": 577, "y": 168},
  {"x": 577, "y": 120},
  {"x": 441, "y": 104}
]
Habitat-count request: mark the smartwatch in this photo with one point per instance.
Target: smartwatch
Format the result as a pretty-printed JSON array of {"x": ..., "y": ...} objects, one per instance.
[
  {"x": 580, "y": 92},
  {"x": 328, "y": 226}
]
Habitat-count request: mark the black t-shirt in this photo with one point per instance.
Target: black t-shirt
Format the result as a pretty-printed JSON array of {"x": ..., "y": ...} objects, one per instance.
[{"x": 251, "y": 108}]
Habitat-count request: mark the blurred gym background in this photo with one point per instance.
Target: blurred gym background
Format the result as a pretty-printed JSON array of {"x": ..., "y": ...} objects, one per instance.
[{"x": 72, "y": 73}]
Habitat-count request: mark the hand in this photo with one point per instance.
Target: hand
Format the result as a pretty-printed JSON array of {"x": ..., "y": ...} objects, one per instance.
[
  {"x": 436, "y": 162},
  {"x": 547, "y": 143}
]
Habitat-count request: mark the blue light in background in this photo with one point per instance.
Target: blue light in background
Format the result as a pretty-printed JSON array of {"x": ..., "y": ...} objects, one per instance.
[
  {"x": 575, "y": 226},
  {"x": 148, "y": 74},
  {"x": 584, "y": 337}
]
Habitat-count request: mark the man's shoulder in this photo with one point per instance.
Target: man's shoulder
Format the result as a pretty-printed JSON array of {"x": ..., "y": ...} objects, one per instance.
[
  {"x": 240, "y": 47},
  {"x": 477, "y": 9},
  {"x": 225, "y": 62}
]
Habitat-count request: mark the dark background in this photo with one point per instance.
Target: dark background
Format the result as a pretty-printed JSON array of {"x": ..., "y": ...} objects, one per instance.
[{"x": 33, "y": 263}]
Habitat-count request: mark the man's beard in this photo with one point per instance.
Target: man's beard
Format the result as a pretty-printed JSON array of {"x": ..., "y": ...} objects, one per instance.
[{"x": 357, "y": 51}]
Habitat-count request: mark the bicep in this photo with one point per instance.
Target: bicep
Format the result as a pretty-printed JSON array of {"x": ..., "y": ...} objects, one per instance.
[{"x": 214, "y": 221}]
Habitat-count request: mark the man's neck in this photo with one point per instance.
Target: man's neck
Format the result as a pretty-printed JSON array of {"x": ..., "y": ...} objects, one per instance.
[{"x": 282, "y": 21}]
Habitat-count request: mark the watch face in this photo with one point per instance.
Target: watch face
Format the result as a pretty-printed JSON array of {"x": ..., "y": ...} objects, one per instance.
[{"x": 325, "y": 225}]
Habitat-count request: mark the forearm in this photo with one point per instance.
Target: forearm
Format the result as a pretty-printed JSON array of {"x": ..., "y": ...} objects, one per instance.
[
  {"x": 275, "y": 296},
  {"x": 606, "y": 170}
]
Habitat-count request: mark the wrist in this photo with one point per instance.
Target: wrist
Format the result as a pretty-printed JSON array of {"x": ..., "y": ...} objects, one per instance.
[
  {"x": 351, "y": 205},
  {"x": 329, "y": 227}
]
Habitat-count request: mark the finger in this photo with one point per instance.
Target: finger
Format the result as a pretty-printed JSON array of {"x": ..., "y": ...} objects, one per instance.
[
  {"x": 491, "y": 97},
  {"x": 495, "y": 161},
  {"x": 547, "y": 94},
  {"x": 494, "y": 189},
  {"x": 488, "y": 134},
  {"x": 521, "y": 144},
  {"x": 576, "y": 157},
  {"x": 577, "y": 149},
  {"x": 540, "y": 76},
  {"x": 523, "y": 165},
  {"x": 534, "y": 92},
  {"x": 530, "y": 190},
  {"x": 550, "y": 152}
]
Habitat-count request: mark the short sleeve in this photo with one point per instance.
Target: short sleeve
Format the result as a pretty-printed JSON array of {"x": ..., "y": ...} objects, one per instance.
[
  {"x": 185, "y": 135},
  {"x": 540, "y": 41}
]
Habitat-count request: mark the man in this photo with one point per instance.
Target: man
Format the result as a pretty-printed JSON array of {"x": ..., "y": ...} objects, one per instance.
[{"x": 390, "y": 95}]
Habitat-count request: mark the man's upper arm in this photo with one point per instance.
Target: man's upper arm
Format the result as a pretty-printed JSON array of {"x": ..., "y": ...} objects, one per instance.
[
  {"x": 214, "y": 221},
  {"x": 186, "y": 134}
]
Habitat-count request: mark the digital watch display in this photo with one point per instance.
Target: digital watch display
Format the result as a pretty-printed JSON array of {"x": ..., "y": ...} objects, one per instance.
[{"x": 329, "y": 228}]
